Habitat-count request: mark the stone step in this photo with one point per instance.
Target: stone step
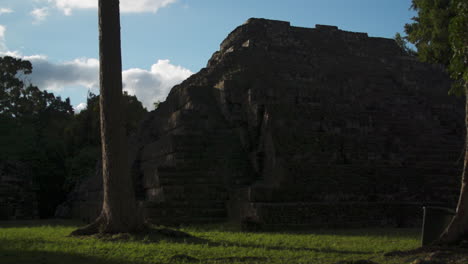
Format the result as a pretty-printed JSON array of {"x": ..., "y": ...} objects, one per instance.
[
  {"x": 187, "y": 192},
  {"x": 188, "y": 196},
  {"x": 185, "y": 212},
  {"x": 196, "y": 188},
  {"x": 214, "y": 204},
  {"x": 190, "y": 163},
  {"x": 173, "y": 169},
  {"x": 242, "y": 182},
  {"x": 437, "y": 148},
  {"x": 448, "y": 158},
  {"x": 187, "y": 175},
  {"x": 179, "y": 181},
  {"x": 434, "y": 164},
  {"x": 169, "y": 221},
  {"x": 437, "y": 152},
  {"x": 190, "y": 143}
]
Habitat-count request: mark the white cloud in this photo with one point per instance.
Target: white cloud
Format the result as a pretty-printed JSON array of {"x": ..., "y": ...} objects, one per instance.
[
  {"x": 55, "y": 76},
  {"x": 153, "y": 85},
  {"x": 80, "y": 107},
  {"x": 126, "y": 6},
  {"x": 2, "y": 32},
  {"x": 39, "y": 14},
  {"x": 140, "y": 6},
  {"x": 5, "y": 11},
  {"x": 3, "y": 46},
  {"x": 68, "y": 5},
  {"x": 148, "y": 86}
]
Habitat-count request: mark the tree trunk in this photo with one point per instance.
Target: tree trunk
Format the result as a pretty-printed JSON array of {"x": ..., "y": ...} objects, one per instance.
[
  {"x": 458, "y": 227},
  {"x": 119, "y": 209}
]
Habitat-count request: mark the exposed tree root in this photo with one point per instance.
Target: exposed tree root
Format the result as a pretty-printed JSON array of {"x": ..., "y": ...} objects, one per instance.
[
  {"x": 91, "y": 229},
  {"x": 102, "y": 226},
  {"x": 458, "y": 227}
]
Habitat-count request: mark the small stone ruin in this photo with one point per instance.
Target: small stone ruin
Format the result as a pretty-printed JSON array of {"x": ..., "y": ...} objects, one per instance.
[{"x": 18, "y": 199}]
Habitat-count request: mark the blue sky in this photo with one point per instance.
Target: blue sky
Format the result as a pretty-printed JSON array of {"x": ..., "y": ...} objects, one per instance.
[{"x": 163, "y": 41}]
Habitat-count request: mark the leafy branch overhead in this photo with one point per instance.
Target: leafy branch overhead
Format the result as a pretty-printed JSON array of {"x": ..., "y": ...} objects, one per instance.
[{"x": 440, "y": 34}]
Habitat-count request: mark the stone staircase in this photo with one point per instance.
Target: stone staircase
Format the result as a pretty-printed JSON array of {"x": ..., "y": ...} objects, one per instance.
[{"x": 188, "y": 183}]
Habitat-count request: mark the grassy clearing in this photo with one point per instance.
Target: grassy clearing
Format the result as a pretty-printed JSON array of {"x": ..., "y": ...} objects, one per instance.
[{"x": 47, "y": 242}]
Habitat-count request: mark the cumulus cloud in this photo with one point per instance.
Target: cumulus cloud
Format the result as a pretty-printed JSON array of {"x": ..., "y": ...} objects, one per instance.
[
  {"x": 39, "y": 14},
  {"x": 126, "y": 6},
  {"x": 3, "y": 47},
  {"x": 68, "y": 5},
  {"x": 2, "y": 32},
  {"x": 5, "y": 11},
  {"x": 148, "y": 86},
  {"x": 139, "y": 6},
  {"x": 56, "y": 76},
  {"x": 153, "y": 85},
  {"x": 80, "y": 107}
]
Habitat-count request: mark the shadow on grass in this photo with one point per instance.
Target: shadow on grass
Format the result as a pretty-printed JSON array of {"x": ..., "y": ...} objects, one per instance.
[
  {"x": 152, "y": 235},
  {"x": 24, "y": 249},
  {"x": 46, "y": 257},
  {"x": 41, "y": 222},
  {"x": 155, "y": 235},
  {"x": 350, "y": 232},
  {"x": 282, "y": 248},
  {"x": 374, "y": 232}
]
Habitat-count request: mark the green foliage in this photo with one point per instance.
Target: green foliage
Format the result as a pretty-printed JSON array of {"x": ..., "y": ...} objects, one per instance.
[
  {"x": 32, "y": 125},
  {"x": 20, "y": 101},
  {"x": 134, "y": 112},
  {"x": 403, "y": 44},
  {"x": 83, "y": 136},
  {"x": 440, "y": 34},
  {"x": 156, "y": 104},
  {"x": 42, "y": 131},
  {"x": 48, "y": 242},
  {"x": 458, "y": 38}
]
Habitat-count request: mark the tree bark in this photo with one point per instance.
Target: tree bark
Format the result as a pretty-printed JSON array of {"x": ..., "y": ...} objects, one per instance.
[
  {"x": 458, "y": 227},
  {"x": 119, "y": 213}
]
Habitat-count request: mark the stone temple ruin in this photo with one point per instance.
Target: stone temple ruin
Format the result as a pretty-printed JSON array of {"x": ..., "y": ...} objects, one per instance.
[
  {"x": 17, "y": 192},
  {"x": 293, "y": 126}
]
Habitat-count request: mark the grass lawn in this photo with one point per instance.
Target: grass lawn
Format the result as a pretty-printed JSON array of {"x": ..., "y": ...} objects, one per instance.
[{"x": 44, "y": 242}]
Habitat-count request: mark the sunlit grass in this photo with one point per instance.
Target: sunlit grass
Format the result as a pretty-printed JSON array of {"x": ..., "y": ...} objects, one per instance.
[{"x": 48, "y": 242}]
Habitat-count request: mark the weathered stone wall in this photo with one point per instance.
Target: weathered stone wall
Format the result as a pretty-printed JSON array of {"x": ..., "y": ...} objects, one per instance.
[
  {"x": 17, "y": 193},
  {"x": 285, "y": 122},
  {"x": 341, "y": 117}
]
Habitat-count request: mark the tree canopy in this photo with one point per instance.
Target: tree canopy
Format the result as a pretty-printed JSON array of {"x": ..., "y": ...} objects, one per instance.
[
  {"x": 42, "y": 131},
  {"x": 403, "y": 44},
  {"x": 440, "y": 34},
  {"x": 32, "y": 125}
]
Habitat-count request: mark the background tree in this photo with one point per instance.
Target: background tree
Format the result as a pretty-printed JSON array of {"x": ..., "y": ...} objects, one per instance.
[
  {"x": 440, "y": 33},
  {"x": 403, "y": 44},
  {"x": 41, "y": 132},
  {"x": 119, "y": 209},
  {"x": 32, "y": 129},
  {"x": 84, "y": 141}
]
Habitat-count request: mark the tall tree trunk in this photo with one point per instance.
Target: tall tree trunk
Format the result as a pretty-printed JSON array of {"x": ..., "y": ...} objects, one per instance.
[
  {"x": 458, "y": 227},
  {"x": 119, "y": 210}
]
